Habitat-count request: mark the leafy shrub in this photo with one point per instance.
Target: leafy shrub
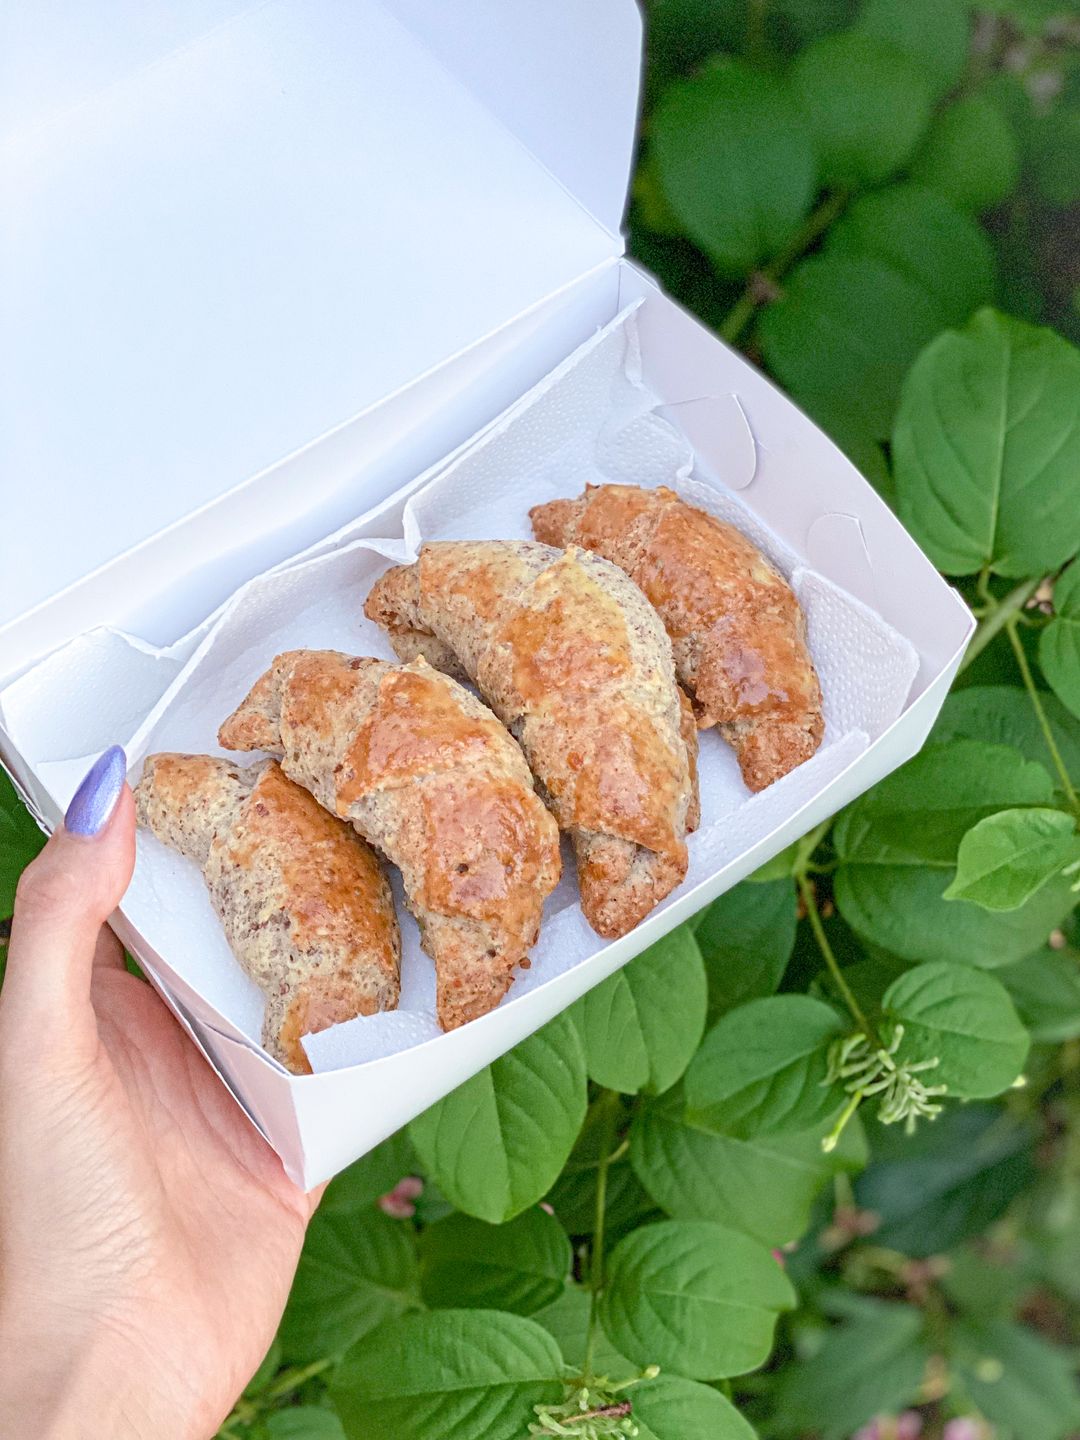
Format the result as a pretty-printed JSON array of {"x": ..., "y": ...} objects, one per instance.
[{"x": 814, "y": 1155}]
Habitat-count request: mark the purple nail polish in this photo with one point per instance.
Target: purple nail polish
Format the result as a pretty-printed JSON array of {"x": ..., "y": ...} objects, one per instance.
[{"x": 95, "y": 800}]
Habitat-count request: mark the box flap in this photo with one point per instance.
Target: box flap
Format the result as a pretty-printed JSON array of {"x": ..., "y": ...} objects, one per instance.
[
  {"x": 562, "y": 76},
  {"x": 228, "y": 228}
]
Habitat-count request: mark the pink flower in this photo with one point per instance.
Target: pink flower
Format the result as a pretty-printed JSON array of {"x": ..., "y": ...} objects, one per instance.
[
  {"x": 399, "y": 1203},
  {"x": 967, "y": 1427},
  {"x": 778, "y": 1256},
  {"x": 872, "y": 1431},
  {"x": 907, "y": 1426}
]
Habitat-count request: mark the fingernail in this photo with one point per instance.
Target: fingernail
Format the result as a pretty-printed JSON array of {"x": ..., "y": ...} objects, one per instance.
[{"x": 95, "y": 800}]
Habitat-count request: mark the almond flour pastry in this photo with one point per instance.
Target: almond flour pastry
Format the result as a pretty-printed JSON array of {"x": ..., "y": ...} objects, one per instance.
[
  {"x": 427, "y": 774},
  {"x": 574, "y": 660},
  {"x": 303, "y": 901},
  {"x": 736, "y": 628}
]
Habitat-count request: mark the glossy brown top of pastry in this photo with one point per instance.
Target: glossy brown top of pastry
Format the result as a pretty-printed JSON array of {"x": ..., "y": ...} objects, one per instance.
[
  {"x": 737, "y": 631},
  {"x": 489, "y": 844},
  {"x": 576, "y": 663},
  {"x": 428, "y": 774}
]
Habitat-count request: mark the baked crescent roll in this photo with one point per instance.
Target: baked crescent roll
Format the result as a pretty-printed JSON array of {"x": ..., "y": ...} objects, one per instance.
[
  {"x": 575, "y": 662},
  {"x": 427, "y": 774},
  {"x": 303, "y": 901},
  {"x": 736, "y": 628}
]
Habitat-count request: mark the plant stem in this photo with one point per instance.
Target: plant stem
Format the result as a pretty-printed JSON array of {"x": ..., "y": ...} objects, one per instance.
[
  {"x": 1000, "y": 615},
  {"x": 247, "y": 1410},
  {"x": 739, "y": 316},
  {"x": 742, "y": 312},
  {"x": 610, "y": 1102},
  {"x": 804, "y": 850},
  {"x": 757, "y": 46},
  {"x": 1044, "y": 723},
  {"x": 290, "y": 1380},
  {"x": 806, "y": 890}
]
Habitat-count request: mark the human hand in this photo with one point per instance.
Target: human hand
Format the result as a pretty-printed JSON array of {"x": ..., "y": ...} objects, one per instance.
[{"x": 148, "y": 1234}]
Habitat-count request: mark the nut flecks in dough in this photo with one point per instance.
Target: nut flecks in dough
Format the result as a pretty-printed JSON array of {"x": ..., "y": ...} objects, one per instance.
[
  {"x": 429, "y": 775},
  {"x": 304, "y": 903}
]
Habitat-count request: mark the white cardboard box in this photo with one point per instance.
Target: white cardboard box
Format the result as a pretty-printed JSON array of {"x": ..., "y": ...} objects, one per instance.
[{"x": 349, "y": 236}]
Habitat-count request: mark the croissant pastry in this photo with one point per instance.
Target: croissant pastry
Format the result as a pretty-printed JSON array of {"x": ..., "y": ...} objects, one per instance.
[
  {"x": 427, "y": 774},
  {"x": 574, "y": 660},
  {"x": 736, "y": 628},
  {"x": 303, "y": 901}
]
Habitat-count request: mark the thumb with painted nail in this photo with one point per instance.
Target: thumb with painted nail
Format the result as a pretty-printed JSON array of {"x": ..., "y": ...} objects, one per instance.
[
  {"x": 148, "y": 1235},
  {"x": 64, "y": 898}
]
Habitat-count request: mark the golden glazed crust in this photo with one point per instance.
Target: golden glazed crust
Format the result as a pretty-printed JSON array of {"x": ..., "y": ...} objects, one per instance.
[
  {"x": 736, "y": 628},
  {"x": 426, "y": 773},
  {"x": 303, "y": 901},
  {"x": 575, "y": 662}
]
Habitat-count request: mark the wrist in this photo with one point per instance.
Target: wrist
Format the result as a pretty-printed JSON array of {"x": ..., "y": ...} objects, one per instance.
[{"x": 73, "y": 1382}]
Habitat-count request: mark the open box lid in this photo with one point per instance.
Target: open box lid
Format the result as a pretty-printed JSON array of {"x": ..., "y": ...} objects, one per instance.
[{"x": 229, "y": 227}]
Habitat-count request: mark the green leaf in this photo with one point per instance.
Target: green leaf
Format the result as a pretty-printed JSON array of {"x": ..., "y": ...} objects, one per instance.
[
  {"x": 866, "y": 979},
  {"x": 746, "y": 937},
  {"x": 455, "y": 1374},
  {"x": 965, "y": 1018},
  {"x": 866, "y": 104},
  {"x": 1053, "y": 1256},
  {"x": 355, "y": 1272},
  {"x": 948, "y": 1181},
  {"x": 897, "y": 848},
  {"x": 902, "y": 909},
  {"x": 567, "y": 1319},
  {"x": 373, "y": 1175},
  {"x": 1024, "y": 1386},
  {"x": 987, "y": 447},
  {"x": 872, "y": 1366},
  {"x": 635, "y": 1038},
  {"x": 520, "y": 1266},
  {"x": 843, "y": 336},
  {"x": 1059, "y": 643},
  {"x": 670, "y": 1408},
  {"x": 20, "y": 841},
  {"x": 764, "y": 1187},
  {"x": 925, "y": 238},
  {"x": 496, "y": 1144},
  {"x": 807, "y": 19},
  {"x": 983, "y": 1284},
  {"x": 304, "y": 1422},
  {"x": 971, "y": 154},
  {"x": 933, "y": 34},
  {"x": 1054, "y": 155},
  {"x": 573, "y": 1197},
  {"x": 651, "y": 209},
  {"x": 780, "y": 867},
  {"x": 1004, "y": 715},
  {"x": 1006, "y": 858},
  {"x": 694, "y": 1298},
  {"x": 919, "y": 814},
  {"x": 868, "y": 456},
  {"x": 735, "y": 164},
  {"x": 762, "y": 1069},
  {"x": 683, "y": 34},
  {"x": 1045, "y": 988}
]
